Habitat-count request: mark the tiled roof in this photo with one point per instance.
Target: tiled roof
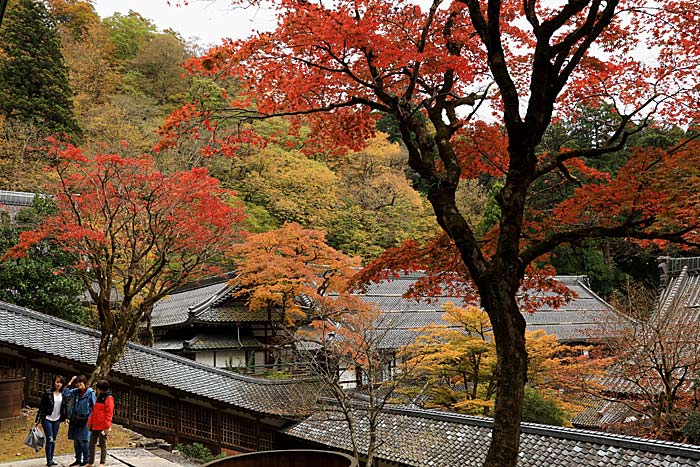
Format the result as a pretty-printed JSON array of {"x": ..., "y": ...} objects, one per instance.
[
  {"x": 403, "y": 318},
  {"x": 16, "y": 198},
  {"x": 430, "y": 438},
  {"x": 14, "y": 201},
  {"x": 169, "y": 344},
  {"x": 204, "y": 341},
  {"x": 211, "y": 303},
  {"x": 680, "y": 299},
  {"x": 31, "y": 330},
  {"x": 235, "y": 313},
  {"x": 600, "y": 413},
  {"x": 216, "y": 341},
  {"x": 173, "y": 309}
]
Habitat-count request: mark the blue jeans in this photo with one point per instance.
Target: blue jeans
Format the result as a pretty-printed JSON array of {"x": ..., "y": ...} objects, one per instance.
[
  {"x": 81, "y": 450},
  {"x": 51, "y": 433}
]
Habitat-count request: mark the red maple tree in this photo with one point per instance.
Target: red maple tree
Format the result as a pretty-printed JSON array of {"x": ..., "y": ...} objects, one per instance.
[
  {"x": 473, "y": 85},
  {"x": 135, "y": 234}
]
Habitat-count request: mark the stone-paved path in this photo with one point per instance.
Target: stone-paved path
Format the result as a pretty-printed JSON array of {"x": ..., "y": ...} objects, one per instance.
[{"x": 135, "y": 457}]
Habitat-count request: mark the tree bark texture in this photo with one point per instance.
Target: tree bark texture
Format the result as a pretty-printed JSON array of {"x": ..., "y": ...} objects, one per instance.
[{"x": 509, "y": 333}]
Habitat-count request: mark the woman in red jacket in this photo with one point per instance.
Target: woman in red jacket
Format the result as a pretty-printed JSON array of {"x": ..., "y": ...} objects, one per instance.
[{"x": 100, "y": 422}]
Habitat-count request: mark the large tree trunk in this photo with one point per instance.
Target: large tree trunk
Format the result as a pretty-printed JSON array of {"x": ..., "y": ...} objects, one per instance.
[
  {"x": 509, "y": 332},
  {"x": 108, "y": 355}
]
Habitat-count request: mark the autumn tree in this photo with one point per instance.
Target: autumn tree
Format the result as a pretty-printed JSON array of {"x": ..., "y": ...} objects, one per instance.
[
  {"x": 34, "y": 76},
  {"x": 21, "y": 159},
  {"x": 457, "y": 360},
  {"x": 159, "y": 67},
  {"x": 129, "y": 33},
  {"x": 380, "y": 209},
  {"x": 134, "y": 235},
  {"x": 345, "y": 349},
  {"x": 473, "y": 86},
  {"x": 88, "y": 51},
  {"x": 291, "y": 273},
  {"x": 655, "y": 351}
]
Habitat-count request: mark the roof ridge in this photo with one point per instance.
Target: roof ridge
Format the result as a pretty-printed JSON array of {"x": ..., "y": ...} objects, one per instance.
[
  {"x": 203, "y": 283},
  {"x": 141, "y": 348},
  {"x": 611, "y": 439},
  {"x": 598, "y": 297},
  {"x": 671, "y": 293},
  {"x": 199, "y": 308}
]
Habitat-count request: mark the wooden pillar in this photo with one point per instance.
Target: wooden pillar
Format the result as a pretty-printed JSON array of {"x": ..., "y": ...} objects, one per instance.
[
  {"x": 216, "y": 421},
  {"x": 132, "y": 405},
  {"x": 27, "y": 380},
  {"x": 178, "y": 421}
]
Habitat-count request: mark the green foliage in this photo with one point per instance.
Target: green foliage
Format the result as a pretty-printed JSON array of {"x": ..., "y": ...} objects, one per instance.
[
  {"x": 492, "y": 213},
  {"x": 589, "y": 258},
  {"x": 692, "y": 427},
  {"x": 129, "y": 33},
  {"x": 198, "y": 451},
  {"x": 37, "y": 281},
  {"x": 158, "y": 64},
  {"x": 539, "y": 409},
  {"x": 388, "y": 124},
  {"x": 259, "y": 219},
  {"x": 278, "y": 374},
  {"x": 34, "y": 77}
]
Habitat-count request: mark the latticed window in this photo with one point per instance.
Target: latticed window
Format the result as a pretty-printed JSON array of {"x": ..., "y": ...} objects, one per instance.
[
  {"x": 197, "y": 422},
  {"x": 10, "y": 367},
  {"x": 242, "y": 433},
  {"x": 267, "y": 439},
  {"x": 121, "y": 403},
  {"x": 40, "y": 381},
  {"x": 154, "y": 411}
]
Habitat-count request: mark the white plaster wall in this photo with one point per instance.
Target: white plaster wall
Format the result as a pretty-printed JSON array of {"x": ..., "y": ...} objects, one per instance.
[
  {"x": 205, "y": 357},
  {"x": 259, "y": 358},
  {"x": 234, "y": 357},
  {"x": 348, "y": 379}
]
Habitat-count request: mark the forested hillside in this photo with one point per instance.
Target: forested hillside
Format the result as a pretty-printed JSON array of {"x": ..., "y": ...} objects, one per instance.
[
  {"x": 121, "y": 76},
  {"x": 114, "y": 85}
]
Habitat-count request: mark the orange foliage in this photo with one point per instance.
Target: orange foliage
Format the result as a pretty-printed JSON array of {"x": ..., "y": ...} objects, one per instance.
[{"x": 293, "y": 269}]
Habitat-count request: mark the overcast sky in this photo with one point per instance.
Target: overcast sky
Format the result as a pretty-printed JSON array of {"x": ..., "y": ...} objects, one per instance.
[{"x": 209, "y": 21}]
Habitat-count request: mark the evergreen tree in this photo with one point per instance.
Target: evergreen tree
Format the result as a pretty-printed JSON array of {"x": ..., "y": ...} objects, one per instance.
[
  {"x": 40, "y": 280},
  {"x": 32, "y": 71}
]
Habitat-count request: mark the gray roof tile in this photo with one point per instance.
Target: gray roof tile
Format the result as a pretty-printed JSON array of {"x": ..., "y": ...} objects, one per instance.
[
  {"x": 599, "y": 413},
  {"x": 235, "y": 313},
  {"x": 174, "y": 308},
  {"x": 426, "y": 437},
  {"x": 204, "y": 341},
  {"x": 403, "y": 319},
  {"x": 31, "y": 330}
]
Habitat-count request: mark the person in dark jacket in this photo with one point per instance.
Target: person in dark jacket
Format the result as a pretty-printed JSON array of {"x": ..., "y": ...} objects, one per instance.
[
  {"x": 78, "y": 413},
  {"x": 100, "y": 422},
  {"x": 52, "y": 411}
]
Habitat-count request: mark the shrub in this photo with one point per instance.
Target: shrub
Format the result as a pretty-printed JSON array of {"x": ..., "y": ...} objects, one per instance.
[
  {"x": 196, "y": 451},
  {"x": 538, "y": 409}
]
